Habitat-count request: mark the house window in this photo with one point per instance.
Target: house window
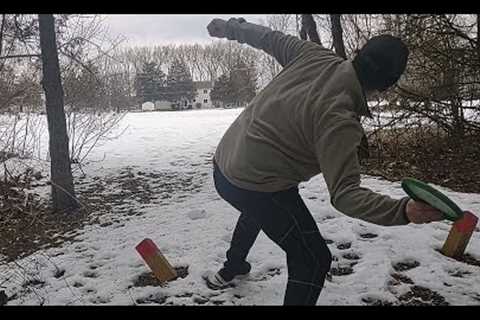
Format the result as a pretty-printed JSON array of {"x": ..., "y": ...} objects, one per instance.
[
  {"x": 205, "y": 91},
  {"x": 205, "y": 100}
]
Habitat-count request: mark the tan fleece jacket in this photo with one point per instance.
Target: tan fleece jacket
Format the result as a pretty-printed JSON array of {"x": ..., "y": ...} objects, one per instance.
[{"x": 305, "y": 121}]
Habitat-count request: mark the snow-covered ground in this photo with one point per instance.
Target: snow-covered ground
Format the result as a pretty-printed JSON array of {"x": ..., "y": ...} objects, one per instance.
[{"x": 192, "y": 227}]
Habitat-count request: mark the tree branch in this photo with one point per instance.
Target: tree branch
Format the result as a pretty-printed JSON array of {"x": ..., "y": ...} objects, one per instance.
[
  {"x": 16, "y": 94},
  {"x": 16, "y": 56},
  {"x": 458, "y": 32}
]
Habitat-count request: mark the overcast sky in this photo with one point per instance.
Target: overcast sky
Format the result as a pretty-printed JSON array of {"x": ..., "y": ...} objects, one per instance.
[{"x": 158, "y": 29}]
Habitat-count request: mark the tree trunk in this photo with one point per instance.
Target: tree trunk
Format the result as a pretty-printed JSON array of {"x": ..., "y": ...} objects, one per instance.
[
  {"x": 309, "y": 27},
  {"x": 63, "y": 195},
  {"x": 302, "y": 31},
  {"x": 2, "y": 27},
  {"x": 478, "y": 37},
  {"x": 337, "y": 35}
]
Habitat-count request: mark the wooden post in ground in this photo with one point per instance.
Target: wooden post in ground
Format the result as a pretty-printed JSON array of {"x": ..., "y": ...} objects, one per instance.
[
  {"x": 160, "y": 266},
  {"x": 459, "y": 235}
]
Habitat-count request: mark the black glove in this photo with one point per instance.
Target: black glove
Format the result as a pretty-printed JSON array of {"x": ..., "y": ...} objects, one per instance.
[{"x": 218, "y": 27}]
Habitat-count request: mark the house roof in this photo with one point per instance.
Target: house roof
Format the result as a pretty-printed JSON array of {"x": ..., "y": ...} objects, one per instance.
[{"x": 202, "y": 84}]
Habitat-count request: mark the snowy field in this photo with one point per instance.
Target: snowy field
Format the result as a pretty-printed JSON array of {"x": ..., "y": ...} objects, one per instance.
[{"x": 170, "y": 153}]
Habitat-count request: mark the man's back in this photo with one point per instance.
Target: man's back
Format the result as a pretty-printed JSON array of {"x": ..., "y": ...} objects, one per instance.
[{"x": 270, "y": 146}]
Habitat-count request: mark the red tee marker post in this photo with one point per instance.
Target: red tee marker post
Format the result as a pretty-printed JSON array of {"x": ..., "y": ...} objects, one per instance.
[
  {"x": 162, "y": 270},
  {"x": 459, "y": 235}
]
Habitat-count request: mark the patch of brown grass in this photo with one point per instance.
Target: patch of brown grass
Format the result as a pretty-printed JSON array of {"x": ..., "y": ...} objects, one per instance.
[{"x": 426, "y": 154}]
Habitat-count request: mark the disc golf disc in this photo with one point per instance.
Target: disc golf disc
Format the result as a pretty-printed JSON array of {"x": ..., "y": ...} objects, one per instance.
[{"x": 421, "y": 191}]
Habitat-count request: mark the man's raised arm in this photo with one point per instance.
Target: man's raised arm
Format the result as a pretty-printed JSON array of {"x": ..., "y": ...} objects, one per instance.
[{"x": 277, "y": 44}]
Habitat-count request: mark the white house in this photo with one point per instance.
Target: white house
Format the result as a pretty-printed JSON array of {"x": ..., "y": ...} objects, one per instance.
[
  {"x": 202, "y": 95},
  {"x": 200, "y": 101}
]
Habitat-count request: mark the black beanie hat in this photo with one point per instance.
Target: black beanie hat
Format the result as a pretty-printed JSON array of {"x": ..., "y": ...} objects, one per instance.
[{"x": 381, "y": 62}]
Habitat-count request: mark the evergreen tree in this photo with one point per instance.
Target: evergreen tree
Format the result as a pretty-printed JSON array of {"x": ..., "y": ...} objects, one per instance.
[
  {"x": 243, "y": 82},
  {"x": 83, "y": 89},
  {"x": 222, "y": 91},
  {"x": 238, "y": 87},
  {"x": 150, "y": 83},
  {"x": 179, "y": 85}
]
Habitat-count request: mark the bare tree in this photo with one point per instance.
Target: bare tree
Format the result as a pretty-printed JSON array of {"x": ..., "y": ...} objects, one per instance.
[
  {"x": 211, "y": 56},
  {"x": 442, "y": 81},
  {"x": 337, "y": 35},
  {"x": 66, "y": 43},
  {"x": 63, "y": 193},
  {"x": 267, "y": 65}
]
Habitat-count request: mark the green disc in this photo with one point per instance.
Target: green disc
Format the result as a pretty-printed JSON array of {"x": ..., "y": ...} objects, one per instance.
[{"x": 420, "y": 191}]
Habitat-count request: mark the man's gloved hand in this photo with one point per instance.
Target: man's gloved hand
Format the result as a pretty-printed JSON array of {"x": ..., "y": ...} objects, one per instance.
[
  {"x": 218, "y": 27},
  {"x": 418, "y": 212}
]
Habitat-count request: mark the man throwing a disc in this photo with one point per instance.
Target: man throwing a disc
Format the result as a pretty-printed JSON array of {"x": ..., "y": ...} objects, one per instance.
[{"x": 306, "y": 121}]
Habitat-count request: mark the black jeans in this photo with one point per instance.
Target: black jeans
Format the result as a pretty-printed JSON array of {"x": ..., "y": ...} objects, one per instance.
[{"x": 285, "y": 219}]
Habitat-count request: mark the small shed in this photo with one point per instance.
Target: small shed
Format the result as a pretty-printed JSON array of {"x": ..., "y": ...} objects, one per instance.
[
  {"x": 163, "y": 105},
  {"x": 148, "y": 106}
]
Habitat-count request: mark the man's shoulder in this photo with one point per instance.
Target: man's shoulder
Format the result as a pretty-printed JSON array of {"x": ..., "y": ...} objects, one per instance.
[
  {"x": 317, "y": 51},
  {"x": 351, "y": 91},
  {"x": 340, "y": 109}
]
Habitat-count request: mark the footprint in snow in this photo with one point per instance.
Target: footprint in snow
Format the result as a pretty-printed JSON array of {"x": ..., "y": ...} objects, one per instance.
[
  {"x": 343, "y": 266},
  {"x": 351, "y": 256},
  {"x": 90, "y": 274},
  {"x": 368, "y": 235},
  {"x": 458, "y": 273},
  {"x": 59, "y": 273},
  {"x": 375, "y": 301},
  {"x": 398, "y": 278},
  {"x": 341, "y": 270},
  {"x": 422, "y": 296},
  {"x": 100, "y": 300},
  {"x": 344, "y": 245},
  {"x": 95, "y": 266},
  {"x": 200, "y": 299},
  {"x": 89, "y": 290},
  {"x": 405, "y": 265},
  {"x": 156, "y": 298}
]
